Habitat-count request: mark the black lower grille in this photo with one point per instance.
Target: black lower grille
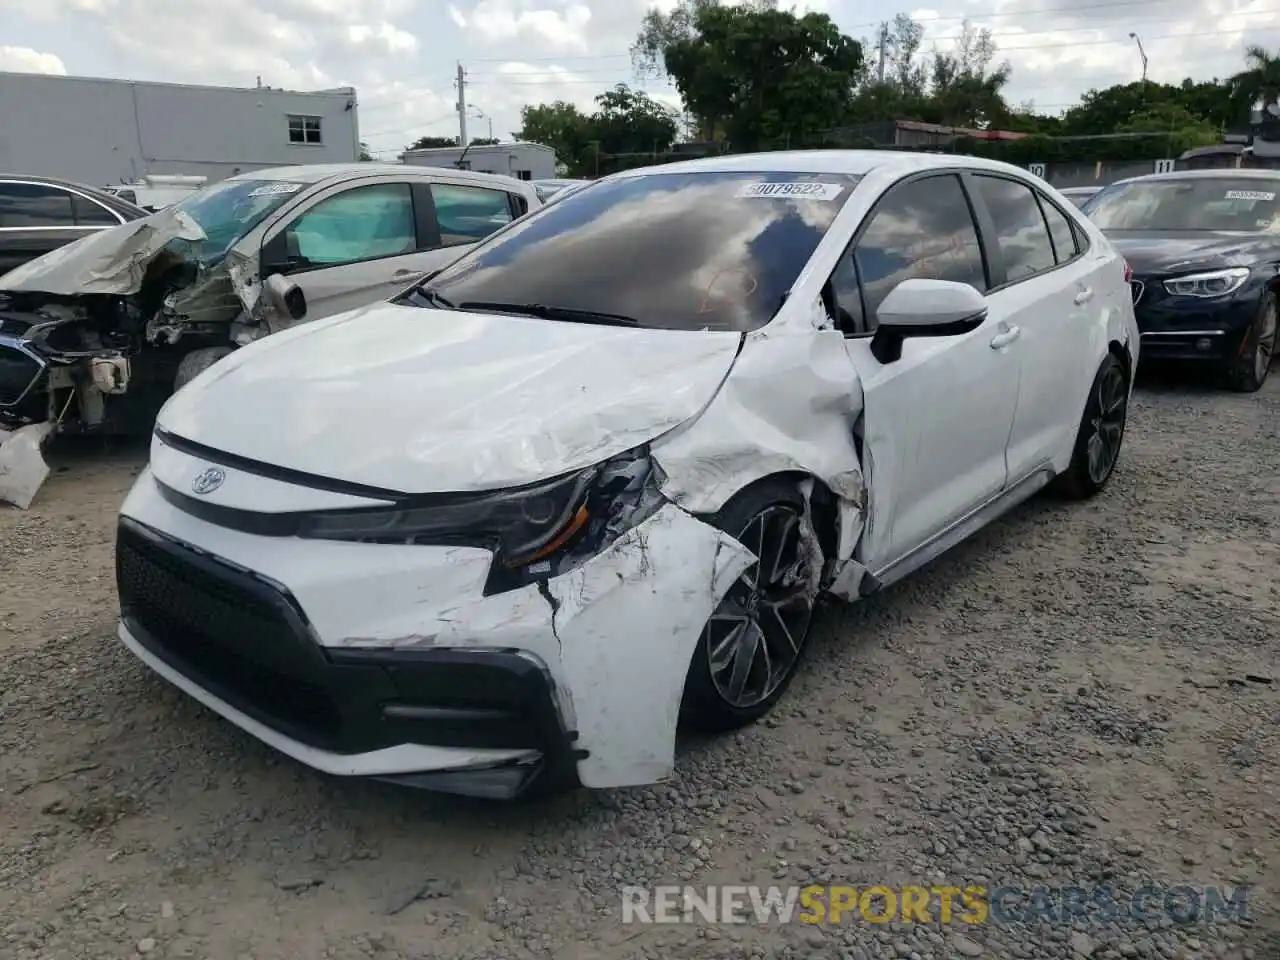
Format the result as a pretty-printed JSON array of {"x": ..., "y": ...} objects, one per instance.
[{"x": 233, "y": 639}]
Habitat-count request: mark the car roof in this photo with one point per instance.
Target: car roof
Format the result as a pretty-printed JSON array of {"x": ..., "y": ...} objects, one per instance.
[
  {"x": 318, "y": 172},
  {"x": 1218, "y": 173},
  {"x": 1066, "y": 191},
  {"x": 849, "y": 162},
  {"x": 119, "y": 204}
]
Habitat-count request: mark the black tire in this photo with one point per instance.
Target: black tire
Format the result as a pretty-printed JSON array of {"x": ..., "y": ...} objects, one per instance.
[
  {"x": 1248, "y": 371},
  {"x": 197, "y": 362},
  {"x": 1103, "y": 421},
  {"x": 781, "y": 614}
]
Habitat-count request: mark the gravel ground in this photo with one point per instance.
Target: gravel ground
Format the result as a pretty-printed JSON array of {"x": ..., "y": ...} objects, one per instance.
[{"x": 1078, "y": 695}]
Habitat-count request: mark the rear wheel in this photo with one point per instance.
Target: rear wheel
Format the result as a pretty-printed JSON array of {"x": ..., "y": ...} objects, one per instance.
[
  {"x": 751, "y": 645},
  {"x": 1101, "y": 433},
  {"x": 1248, "y": 372}
]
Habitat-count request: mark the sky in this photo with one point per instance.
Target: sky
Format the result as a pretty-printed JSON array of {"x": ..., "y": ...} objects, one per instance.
[{"x": 401, "y": 55}]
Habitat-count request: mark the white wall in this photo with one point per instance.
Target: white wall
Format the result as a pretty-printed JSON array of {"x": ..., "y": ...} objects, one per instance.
[{"x": 107, "y": 131}]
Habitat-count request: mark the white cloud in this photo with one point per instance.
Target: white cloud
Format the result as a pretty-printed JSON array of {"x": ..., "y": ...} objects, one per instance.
[
  {"x": 26, "y": 60},
  {"x": 496, "y": 21},
  {"x": 401, "y": 54}
]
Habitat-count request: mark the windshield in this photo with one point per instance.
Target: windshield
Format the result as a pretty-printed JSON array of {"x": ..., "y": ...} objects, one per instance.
[
  {"x": 688, "y": 251},
  {"x": 1202, "y": 203},
  {"x": 228, "y": 210}
]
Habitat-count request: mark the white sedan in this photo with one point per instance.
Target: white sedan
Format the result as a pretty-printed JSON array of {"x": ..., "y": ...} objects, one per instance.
[{"x": 588, "y": 481}]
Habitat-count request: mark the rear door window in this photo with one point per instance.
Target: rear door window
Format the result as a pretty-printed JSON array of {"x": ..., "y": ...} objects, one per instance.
[
  {"x": 32, "y": 205},
  {"x": 469, "y": 214},
  {"x": 90, "y": 213},
  {"x": 1021, "y": 231},
  {"x": 1064, "y": 238}
]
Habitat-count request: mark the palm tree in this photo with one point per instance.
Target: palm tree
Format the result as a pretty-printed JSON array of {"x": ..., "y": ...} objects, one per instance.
[{"x": 1260, "y": 80}]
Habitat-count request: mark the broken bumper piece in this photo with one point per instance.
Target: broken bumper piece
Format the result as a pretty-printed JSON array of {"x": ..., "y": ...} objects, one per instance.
[{"x": 388, "y": 661}]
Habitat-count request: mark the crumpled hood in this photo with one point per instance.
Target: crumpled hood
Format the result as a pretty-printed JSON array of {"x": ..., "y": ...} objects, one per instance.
[
  {"x": 426, "y": 401},
  {"x": 112, "y": 261},
  {"x": 1163, "y": 253}
]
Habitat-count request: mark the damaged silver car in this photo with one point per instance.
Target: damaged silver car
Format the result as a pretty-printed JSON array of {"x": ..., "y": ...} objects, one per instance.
[{"x": 96, "y": 335}]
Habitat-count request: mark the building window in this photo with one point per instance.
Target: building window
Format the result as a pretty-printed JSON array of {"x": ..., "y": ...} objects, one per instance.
[
  {"x": 304, "y": 130},
  {"x": 524, "y": 174}
]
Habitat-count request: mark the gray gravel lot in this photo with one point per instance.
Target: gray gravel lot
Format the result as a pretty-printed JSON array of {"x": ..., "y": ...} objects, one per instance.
[{"x": 1075, "y": 697}]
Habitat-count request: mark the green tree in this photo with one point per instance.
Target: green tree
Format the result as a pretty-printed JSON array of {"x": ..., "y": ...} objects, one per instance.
[
  {"x": 483, "y": 141},
  {"x": 559, "y": 125},
  {"x": 630, "y": 121},
  {"x": 1184, "y": 129},
  {"x": 365, "y": 155},
  {"x": 965, "y": 91},
  {"x": 428, "y": 143},
  {"x": 767, "y": 77}
]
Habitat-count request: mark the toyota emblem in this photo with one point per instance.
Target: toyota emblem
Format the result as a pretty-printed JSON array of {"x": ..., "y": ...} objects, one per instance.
[{"x": 207, "y": 481}]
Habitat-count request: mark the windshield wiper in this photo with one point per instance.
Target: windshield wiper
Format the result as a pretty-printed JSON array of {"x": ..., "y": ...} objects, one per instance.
[
  {"x": 425, "y": 297},
  {"x": 546, "y": 312}
]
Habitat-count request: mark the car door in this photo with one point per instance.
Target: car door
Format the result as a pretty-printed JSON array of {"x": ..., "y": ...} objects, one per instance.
[
  {"x": 1046, "y": 289},
  {"x": 351, "y": 247},
  {"x": 936, "y": 421},
  {"x": 36, "y": 218}
]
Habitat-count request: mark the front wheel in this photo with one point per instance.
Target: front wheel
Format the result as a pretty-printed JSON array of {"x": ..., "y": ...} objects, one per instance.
[
  {"x": 1248, "y": 372},
  {"x": 197, "y": 362},
  {"x": 750, "y": 647},
  {"x": 1101, "y": 433}
]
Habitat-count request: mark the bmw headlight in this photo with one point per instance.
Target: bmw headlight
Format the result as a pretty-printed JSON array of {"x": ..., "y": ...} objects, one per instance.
[
  {"x": 1216, "y": 283},
  {"x": 534, "y": 532}
]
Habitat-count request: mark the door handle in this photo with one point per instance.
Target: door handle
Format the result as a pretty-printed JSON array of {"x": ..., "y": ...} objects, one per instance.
[
  {"x": 405, "y": 274},
  {"x": 1003, "y": 339},
  {"x": 1084, "y": 296}
]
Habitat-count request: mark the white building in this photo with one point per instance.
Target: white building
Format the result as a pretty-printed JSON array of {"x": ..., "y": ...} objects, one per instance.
[
  {"x": 524, "y": 161},
  {"x": 102, "y": 132}
]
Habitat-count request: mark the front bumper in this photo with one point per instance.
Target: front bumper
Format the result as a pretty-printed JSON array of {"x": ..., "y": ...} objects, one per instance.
[
  {"x": 387, "y": 661},
  {"x": 1185, "y": 328}
]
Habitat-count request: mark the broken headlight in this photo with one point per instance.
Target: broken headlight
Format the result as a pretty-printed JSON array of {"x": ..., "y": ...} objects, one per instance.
[{"x": 535, "y": 532}]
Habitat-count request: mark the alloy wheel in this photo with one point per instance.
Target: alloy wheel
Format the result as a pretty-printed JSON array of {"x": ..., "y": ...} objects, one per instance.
[
  {"x": 1266, "y": 343},
  {"x": 1107, "y": 424},
  {"x": 754, "y": 638}
]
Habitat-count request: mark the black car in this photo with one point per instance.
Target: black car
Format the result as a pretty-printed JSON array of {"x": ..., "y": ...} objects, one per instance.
[
  {"x": 1204, "y": 248},
  {"x": 39, "y": 214}
]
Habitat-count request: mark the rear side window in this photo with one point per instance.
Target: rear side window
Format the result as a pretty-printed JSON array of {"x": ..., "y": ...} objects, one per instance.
[
  {"x": 1060, "y": 232},
  {"x": 34, "y": 205},
  {"x": 91, "y": 214},
  {"x": 1020, "y": 228},
  {"x": 469, "y": 214},
  {"x": 921, "y": 229}
]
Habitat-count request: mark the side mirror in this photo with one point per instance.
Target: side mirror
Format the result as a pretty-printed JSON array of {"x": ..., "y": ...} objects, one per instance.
[
  {"x": 285, "y": 297},
  {"x": 925, "y": 308}
]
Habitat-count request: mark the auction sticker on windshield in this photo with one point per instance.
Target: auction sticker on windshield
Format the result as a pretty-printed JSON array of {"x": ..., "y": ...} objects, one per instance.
[
  {"x": 798, "y": 190},
  {"x": 1249, "y": 195},
  {"x": 275, "y": 189}
]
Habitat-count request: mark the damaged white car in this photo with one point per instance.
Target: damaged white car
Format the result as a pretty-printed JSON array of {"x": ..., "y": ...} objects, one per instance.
[
  {"x": 591, "y": 479},
  {"x": 96, "y": 335}
]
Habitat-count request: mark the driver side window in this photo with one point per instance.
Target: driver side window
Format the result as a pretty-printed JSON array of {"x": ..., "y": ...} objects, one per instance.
[
  {"x": 923, "y": 228},
  {"x": 364, "y": 223}
]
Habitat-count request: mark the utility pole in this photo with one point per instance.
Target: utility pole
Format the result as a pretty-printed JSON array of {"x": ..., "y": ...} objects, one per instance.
[
  {"x": 462, "y": 106},
  {"x": 884, "y": 50}
]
